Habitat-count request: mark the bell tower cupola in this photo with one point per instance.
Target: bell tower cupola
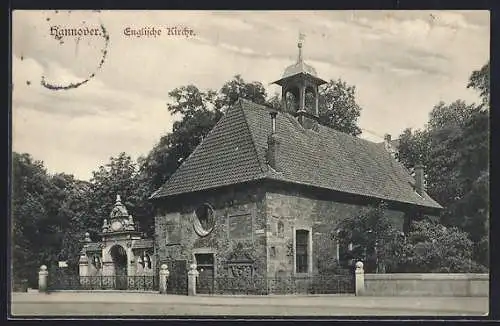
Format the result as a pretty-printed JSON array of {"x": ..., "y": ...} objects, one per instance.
[{"x": 300, "y": 90}]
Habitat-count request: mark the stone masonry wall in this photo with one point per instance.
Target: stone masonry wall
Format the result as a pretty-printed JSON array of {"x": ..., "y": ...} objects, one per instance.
[
  {"x": 239, "y": 220},
  {"x": 297, "y": 211},
  {"x": 260, "y": 219}
]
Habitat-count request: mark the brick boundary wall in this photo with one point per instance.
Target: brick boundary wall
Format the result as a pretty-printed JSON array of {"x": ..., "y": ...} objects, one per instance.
[{"x": 428, "y": 284}]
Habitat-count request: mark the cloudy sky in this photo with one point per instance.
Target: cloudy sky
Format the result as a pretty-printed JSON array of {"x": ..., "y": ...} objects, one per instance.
[{"x": 402, "y": 64}]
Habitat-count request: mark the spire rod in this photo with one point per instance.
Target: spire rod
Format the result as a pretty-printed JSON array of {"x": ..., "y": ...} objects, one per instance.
[{"x": 299, "y": 45}]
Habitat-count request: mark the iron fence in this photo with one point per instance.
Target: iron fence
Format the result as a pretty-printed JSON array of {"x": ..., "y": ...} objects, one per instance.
[
  {"x": 331, "y": 284},
  {"x": 99, "y": 282}
]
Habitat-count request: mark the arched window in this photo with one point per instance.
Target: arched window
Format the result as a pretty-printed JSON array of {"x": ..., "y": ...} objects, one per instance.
[
  {"x": 292, "y": 100},
  {"x": 310, "y": 100}
]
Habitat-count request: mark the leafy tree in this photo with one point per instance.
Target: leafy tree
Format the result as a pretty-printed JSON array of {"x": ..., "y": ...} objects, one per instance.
[
  {"x": 118, "y": 177},
  {"x": 75, "y": 210},
  {"x": 39, "y": 224},
  {"x": 414, "y": 147},
  {"x": 188, "y": 100},
  {"x": 373, "y": 237},
  {"x": 338, "y": 108},
  {"x": 239, "y": 88},
  {"x": 29, "y": 181},
  {"x": 480, "y": 81},
  {"x": 434, "y": 248},
  {"x": 199, "y": 111},
  {"x": 427, "y": 248},
  {"x": 454, "y": 147},
  {"x": 174, "y": 147}
]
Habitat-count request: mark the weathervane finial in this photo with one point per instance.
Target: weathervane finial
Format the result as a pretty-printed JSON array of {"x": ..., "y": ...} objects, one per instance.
[{"x": 302, "y": 36}]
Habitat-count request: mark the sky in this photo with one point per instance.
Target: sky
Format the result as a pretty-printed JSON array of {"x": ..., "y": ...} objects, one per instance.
[{"x": 401, "y": 62}]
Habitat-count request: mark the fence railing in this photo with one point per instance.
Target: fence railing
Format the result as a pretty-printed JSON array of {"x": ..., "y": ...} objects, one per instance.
[
  {"x": 99, "y": 282},
  {"x": 334, "y": 284}
]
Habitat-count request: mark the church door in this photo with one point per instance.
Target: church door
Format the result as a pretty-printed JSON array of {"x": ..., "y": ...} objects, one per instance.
[
  {"x": 119, "y": 256},
  {"x": 205, "y": 266}
]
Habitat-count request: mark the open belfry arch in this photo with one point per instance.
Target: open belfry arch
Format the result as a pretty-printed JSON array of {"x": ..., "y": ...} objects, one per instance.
[{"x": 300, "y": 88}]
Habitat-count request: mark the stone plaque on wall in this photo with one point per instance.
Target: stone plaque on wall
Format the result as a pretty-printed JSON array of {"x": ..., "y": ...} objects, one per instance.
[
  {"x": 172, "y": 232},
  {"x": 241, "y": 226}
]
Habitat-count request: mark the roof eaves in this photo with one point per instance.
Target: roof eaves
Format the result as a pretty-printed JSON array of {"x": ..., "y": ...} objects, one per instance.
[{"x": 221, "y": 185}]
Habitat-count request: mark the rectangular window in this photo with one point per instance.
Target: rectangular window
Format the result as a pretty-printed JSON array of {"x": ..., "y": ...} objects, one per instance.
[
  {"x": 301, "y": 250},
  {"x": 273, "y": 252}
]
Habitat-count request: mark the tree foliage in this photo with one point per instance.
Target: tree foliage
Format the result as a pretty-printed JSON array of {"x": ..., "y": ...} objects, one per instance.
[
  {"x": 199, "y": 111},
  {"x": 50, "y": 213},
  {"x": 427, "y": 248},
  {"x": 39, "y": 220},
  {"x": 454, "y": 148},
  {"x": 338, "y": 108},
  {"x": 480, "y": 81},
  {"x": 373, "y": 236},
  {"x": 237, "y": 88},
  {"x": 434, "y": 248},
  {"x": 119, "y": 177}
]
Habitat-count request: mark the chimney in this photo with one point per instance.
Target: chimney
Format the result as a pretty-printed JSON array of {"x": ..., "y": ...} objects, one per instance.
[
  {"x": 388, "y": 146},
  {"x": 419, "y": 179},
  {"x": 273, "y": 121},
  {"x": 273, "y": 145}
]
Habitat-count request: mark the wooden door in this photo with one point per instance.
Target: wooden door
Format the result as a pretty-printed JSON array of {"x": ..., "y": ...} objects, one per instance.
[{"x": 206, "y": 278}]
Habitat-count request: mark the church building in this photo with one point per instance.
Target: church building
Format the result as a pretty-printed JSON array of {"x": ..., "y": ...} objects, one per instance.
[{"x": 263, "y": 192}]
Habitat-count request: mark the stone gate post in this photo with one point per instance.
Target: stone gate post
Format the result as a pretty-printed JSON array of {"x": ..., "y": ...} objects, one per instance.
[
  {"x": 43, "y": 276},
  {"x": 164, "y": 273},
  {"x": 192, "y": 276},
  {"x": 360, "y": 278}
]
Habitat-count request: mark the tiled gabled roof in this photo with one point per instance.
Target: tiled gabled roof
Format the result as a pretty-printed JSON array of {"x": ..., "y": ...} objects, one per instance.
[
  {"x": 235, "y": 152},
  {"x": 226, "y": 156}
]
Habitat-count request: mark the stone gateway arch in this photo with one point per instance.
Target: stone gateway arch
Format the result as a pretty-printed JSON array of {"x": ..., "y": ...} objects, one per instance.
[{"x": 122, "y": 260}]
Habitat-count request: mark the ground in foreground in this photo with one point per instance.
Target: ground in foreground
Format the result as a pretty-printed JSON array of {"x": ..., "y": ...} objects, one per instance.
[{"x": 152, "y": 304}]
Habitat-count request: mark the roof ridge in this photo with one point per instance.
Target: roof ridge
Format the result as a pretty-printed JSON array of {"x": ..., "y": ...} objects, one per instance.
[{"x": 267, "y": 108}]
